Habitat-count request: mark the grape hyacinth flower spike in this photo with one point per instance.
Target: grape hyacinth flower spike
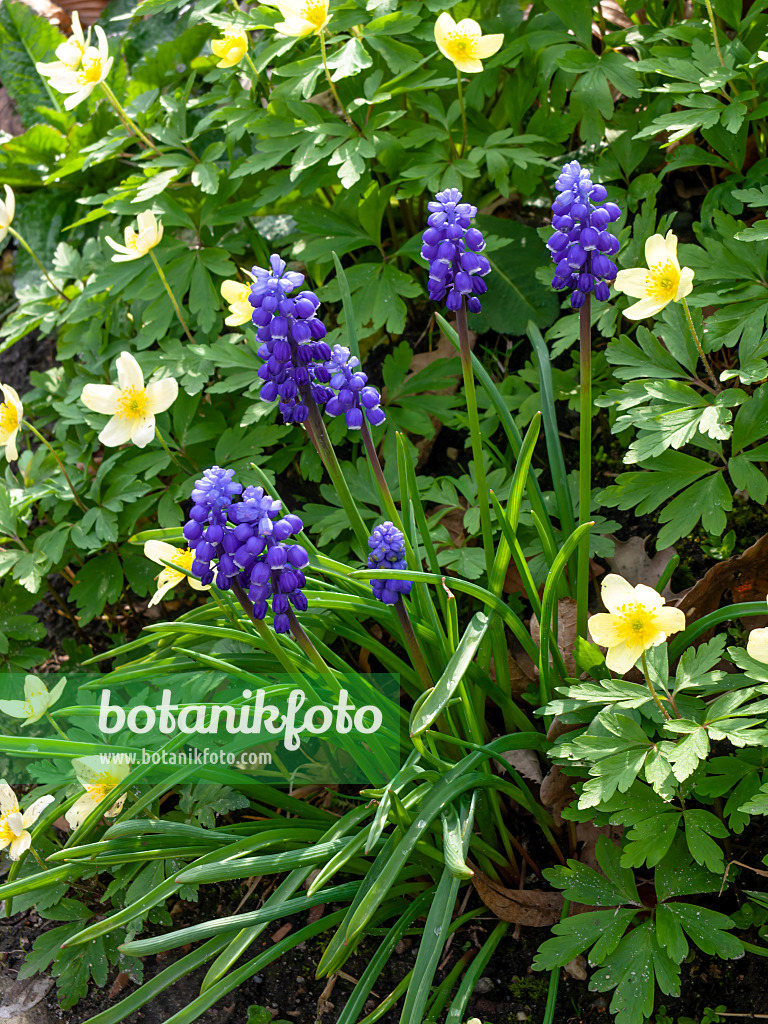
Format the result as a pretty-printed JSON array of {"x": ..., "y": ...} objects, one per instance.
[
  {"x": 452, "y": 247},
  {"x": 387, "y": 551},
  {"x": 387, "y": 545},
  {"x": 580, "y": 244},
  {"x": 294, "y": 371},
  {"x": 249, "y": 545},
  {"x": 353, "y": 394},
  {"x": 291, "y": 336}
]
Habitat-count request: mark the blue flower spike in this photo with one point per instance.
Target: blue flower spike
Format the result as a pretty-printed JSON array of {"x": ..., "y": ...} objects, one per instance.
[
  {"x": 354, "y": 395},
  {"x": 453, "y": 247},
  {"x": 580, "y": 244},
  {"x": 387, "y": 546},
  {"x": 291, "y": 336},
  {"x": 249, "y": 545}
]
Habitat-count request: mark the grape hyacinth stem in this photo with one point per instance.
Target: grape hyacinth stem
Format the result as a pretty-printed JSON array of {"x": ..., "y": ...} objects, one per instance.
[
  {"x": 417, "y": 658},
  {"x": 585, "y": 462},
  {"x": 305, "y": 643},
  {"x": 477, "y": 438},
  {"x": 322, "y": 442},
  {"x": 386, "y": 495}
]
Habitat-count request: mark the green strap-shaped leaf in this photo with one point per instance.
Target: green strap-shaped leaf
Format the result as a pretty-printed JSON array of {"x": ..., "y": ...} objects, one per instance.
[{"x": 455, "y": 671}]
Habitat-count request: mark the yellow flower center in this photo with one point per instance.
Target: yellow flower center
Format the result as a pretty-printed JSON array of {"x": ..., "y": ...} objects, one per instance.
[
  {"x": 461, "y": 44},
  {"x": 99, "y": 790},
  {"x": 184, "y": 558},
  {"x": 132, "y": 404},
  {"x": 636, "y": 625},
  {"x": 662, "y": 282},
  {"x": 314, "y": 13},
  {"x": 90, "y": 72},
  {"x": 9, "y": 417}
]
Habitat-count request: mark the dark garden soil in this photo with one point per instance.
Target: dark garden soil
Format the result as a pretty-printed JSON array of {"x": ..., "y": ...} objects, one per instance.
[{"x": 508, "y": 992}]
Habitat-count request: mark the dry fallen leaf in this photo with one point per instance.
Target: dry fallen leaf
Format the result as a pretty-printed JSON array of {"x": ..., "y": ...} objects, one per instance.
[
  {"x": 588, "y": 833},
  {"x": 631, "y": 561},
  {"x": 744, "y": 577},
  {"x": 566, "y": 632},
  {"x": 20, "y": 996},
  {"x": 525, "y": 762},
  {"x": 556, "y": 792},
  {"x": 528, "y": 907}
]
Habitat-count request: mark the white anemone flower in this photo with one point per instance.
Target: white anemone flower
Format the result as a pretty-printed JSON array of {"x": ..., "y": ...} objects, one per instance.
[
  {"x": 132, "y": 406},
  {"x": 160, "y": 551},
  {"x": 14, "y": 825},
  {"x": 69, "y": 53},
  {"x": 80, "y": 82},
  {"x": 137, "y": 245},
  {"x": 37, "y": 700},
  {"x": 11, "y": 413},
  {"x": 7, "y": 211},
  {"x": 99, "y": 776}
]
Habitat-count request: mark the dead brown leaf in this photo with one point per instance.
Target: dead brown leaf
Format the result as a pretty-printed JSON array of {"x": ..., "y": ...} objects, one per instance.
[
  {"x": 566, "y": 632},
  {"x": 631, "y": 560},
  {"x": 123, "y": 980},
  {"x": 528, "y": 907},
  {"x": 588, "y": 833},
  {"x": 743, "y": 577},
  {"x": 525, "y": 762},
  {"x": 556, "y": 792}
]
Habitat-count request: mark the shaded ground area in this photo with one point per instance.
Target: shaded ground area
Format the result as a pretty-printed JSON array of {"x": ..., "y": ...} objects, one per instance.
[{"x": 508, "y": 991}]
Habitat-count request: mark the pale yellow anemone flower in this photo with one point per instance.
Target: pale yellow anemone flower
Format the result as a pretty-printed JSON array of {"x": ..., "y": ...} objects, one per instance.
[
  {"x": 132, "y": 406},
  {"x": 159, "y": 551},
  {"x": 757, "y": 644},
  {"x": 138, "y": 245},
  {"x": 69, "y": 53},
  {"x": 14, "y": 825},
  {"x": 7, "y": 210},
  {"x": 663, "y": 282},
  {"x": 636, "y": 621},
  {"x": 98, "y": 775},
  {"x": 231, "y": 49},
  {"x": 235, "y": 294},
  {"x": 37, "y": 700},
  {"x": 464, "y": 44},
  {"x": 81, "y": 81},
  {"x": 302, "y": 17},
  {"x": 11, "y": 413}
]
